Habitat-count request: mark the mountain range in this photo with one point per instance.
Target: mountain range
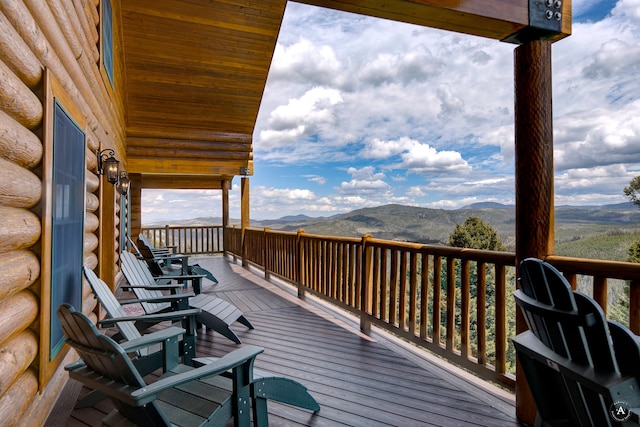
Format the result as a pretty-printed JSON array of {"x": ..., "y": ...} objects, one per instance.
[{"x": 424, "y": 225}]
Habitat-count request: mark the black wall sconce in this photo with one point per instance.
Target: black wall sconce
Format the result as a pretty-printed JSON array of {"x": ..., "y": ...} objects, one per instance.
[
  {"x": 108, "y": 166},
  {"x": 123, "y": 183}
]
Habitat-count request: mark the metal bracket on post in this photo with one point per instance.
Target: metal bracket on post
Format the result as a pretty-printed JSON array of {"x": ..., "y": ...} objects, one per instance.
[{"x": 545, "y": 21}]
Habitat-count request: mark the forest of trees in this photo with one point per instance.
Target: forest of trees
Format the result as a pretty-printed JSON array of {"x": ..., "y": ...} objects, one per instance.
[{"x": 477, "y": 234}]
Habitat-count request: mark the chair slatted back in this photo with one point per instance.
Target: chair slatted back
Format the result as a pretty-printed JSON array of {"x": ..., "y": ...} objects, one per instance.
[
  {"x": 111, "y": 304},
  {"x": 584, "y": 338},
  {"x": 138, "y": 273},
  {"x": 143, "y": 252},
  {"x": 106, "y": 358},
  {"x": 146, "y": 241},
  {"x": 574, "y": 326}
]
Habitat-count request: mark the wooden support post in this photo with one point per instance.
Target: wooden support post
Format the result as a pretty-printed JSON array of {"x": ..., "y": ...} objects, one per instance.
[
  {"x": 302, "y": 258},
  {"x": 226, "y": 186},
  {"x": 135, "y": 212},
  {"x": 244, "y": 213},
  {"x": 107, "y": 251},
  {"x": 533, "y": 174},
  {"x": 366, "y": 297}
]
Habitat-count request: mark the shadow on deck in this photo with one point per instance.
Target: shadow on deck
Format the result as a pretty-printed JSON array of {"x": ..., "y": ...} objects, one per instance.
[{"x": 358, "y": 380}]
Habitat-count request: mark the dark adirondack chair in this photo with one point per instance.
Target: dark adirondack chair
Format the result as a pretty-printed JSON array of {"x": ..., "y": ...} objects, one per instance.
[
  {"x": 183, "y": 396},
  {"x": 162, "y": 261},
  {"x": 166, "y": 277},
  {"x": 581, "y": 369},
  {"x": 147, "y": 354},
  {"x": 215, "y": 313},
  {"x": 130, "y": 326},
  {"x": 159, "y": 249}
]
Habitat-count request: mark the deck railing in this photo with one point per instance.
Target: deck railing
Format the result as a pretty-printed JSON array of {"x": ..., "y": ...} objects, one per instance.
[
  {"x": 454, "y": 302},
  {"x": 188, "y": 239}
]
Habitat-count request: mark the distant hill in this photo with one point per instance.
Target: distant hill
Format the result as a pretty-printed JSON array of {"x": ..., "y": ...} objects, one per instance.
[
  {"x": 424, "y": 225},
  {"x": 487, "y": 205}
]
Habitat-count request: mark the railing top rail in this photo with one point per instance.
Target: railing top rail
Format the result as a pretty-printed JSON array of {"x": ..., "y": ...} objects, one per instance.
[
  {"x": 171, "y": 227},
  {"x": 330, "y": 238},
  {"x": 596, "y": 267},
  {"x": 506, "y": 258}
]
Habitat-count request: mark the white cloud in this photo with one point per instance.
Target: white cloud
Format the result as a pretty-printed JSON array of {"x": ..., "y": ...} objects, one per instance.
[
  {"x": 300, "y": 118},
  {"x": 379, "y": 149},
  {"x": 372, "y": 111},
  {"x": 320, "y": 180},
  {"x": 422, "y": 158},
  {"x": 304, "y": 61}
]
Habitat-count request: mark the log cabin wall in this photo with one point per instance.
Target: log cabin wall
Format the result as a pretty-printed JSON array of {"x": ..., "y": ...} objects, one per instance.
[{"x": 60, "y": 38}]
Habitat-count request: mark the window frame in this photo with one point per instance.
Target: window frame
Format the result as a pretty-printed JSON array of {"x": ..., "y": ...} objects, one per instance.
[
  {"x": 54, "y": 95},
  {"x": 107, "y": 64}
]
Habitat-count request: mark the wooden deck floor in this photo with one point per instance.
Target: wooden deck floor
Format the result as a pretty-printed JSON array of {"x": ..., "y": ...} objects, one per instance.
[{"x": 358, "y": 380}]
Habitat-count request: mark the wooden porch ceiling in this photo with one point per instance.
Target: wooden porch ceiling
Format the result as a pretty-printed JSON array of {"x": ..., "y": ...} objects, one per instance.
[{"x": 196, "y": 70}]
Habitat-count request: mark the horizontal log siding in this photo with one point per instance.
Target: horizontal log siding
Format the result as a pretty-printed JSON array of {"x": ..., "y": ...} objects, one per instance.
[
  {"x": 383, "y": 283},
  {"x": 60, "y": 35}
]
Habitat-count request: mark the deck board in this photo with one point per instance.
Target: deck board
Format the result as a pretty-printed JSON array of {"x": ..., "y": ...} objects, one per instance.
[{"x": 358, "y": 380}]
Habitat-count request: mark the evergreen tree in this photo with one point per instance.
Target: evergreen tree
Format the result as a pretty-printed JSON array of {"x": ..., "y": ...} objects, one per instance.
[
  {"x": 632, "y": 192},
  {"x": 476, "y": 234}
]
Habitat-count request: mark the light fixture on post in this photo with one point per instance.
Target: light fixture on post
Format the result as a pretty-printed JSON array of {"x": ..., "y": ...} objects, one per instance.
[
  {"x": 108, "y": 166},
  {"x": 123, "y": 183}
]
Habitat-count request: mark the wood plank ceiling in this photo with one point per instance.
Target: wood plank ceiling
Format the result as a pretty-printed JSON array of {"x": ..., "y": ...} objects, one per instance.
[{"x": 195, "y": 72}]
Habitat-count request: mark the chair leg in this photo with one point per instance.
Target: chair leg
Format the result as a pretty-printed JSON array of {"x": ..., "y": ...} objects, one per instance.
[
  {"x": 90, "y": 399},
  {"x": 260, "y": 414},
  {"x": 245, "y": 322}
]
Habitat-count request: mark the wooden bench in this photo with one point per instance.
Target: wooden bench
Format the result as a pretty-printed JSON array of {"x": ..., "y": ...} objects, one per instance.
[{"x": 581, "y": 369}]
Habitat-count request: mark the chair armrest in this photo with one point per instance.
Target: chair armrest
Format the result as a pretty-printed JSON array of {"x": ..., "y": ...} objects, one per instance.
[
  {"x": 139, "y": 396},
  {"x": 164, "y": 298},
  {"x": 153, "y": 338},
  {"x": 185, "y": 277},
  {"x": 169, "y": 256},
  {"x": 166, "y": 287},
  {"x": 236, "y": 358},
  {"x": 152, "y": 318},
  {"x": 137, "y": 343}
]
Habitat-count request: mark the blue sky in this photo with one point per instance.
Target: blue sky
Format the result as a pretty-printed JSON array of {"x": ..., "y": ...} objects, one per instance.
[{"x": 362, "y": 112}]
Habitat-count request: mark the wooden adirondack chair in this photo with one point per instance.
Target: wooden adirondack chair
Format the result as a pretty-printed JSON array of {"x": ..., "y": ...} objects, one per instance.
[
  {"x": 216, "y": 313},
  {"x": 183, "y": 396},
  {"x": 581, "y": 369}
]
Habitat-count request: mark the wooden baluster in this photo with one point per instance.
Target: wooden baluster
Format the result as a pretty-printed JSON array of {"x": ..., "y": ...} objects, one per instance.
[
  {"x": 501, "y": 327},
  {"x": 481, "y": 320},
  {"x": 424, "y": 296},
  {"x": 437, "y": 292},
  {"x": 413, "y": 292},
  {"x": 465, "y": 296},
  {"x": 451, "y": 303}
]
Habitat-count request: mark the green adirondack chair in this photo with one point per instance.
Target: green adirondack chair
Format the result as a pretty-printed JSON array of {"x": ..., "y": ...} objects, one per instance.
[
  {"x": 164, "y": 262},
  {"x": 184, "y": 395},
  {"x": 130, "y": 326},
  {"x": 216, "y": 313},
  {"x": 581, "y": 369},
  {"x": 148, "y": 355}
]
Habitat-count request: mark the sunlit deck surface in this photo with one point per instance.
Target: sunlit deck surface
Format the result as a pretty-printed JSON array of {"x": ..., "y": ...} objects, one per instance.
[{"x": 358, "y": 380}]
